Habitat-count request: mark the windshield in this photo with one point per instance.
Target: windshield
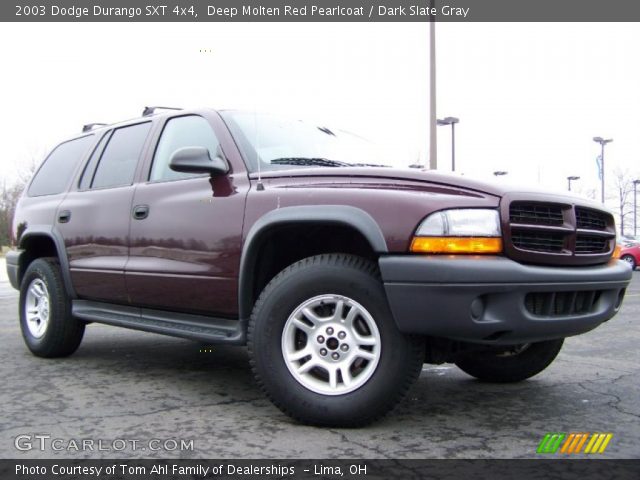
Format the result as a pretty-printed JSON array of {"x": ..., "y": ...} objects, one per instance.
[{"x": 279, "y": 143}]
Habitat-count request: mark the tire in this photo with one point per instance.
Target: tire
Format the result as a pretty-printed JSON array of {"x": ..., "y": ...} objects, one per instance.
[
  {"x": 377, "y": 366},
  {"x": 630, "y": 260},
  {"x": 48, "y": 328},
  {"x": 512, "y": 364}
]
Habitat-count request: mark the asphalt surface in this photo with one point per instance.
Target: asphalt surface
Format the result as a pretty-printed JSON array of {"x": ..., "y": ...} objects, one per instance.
[{"x": 123, "y": 385}]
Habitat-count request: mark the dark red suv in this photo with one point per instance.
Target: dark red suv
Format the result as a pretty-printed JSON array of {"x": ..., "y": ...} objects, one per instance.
[{"x": 342, "y": 276}]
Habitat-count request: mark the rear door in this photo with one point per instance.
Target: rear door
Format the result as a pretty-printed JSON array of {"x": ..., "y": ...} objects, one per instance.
[
  {"x": 186, "y": 240},
  {"x": 94, "y": 216}
]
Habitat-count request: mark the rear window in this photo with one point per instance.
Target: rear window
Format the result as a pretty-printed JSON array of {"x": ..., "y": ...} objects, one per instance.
[{"x": 54, "y": 174}]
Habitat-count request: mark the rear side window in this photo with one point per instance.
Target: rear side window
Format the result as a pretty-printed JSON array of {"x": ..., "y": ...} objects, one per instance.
[
  {"x": 118, "y": 162},
  {"x": 55, "y": 172},
  {"x": 87, "y": 175}
]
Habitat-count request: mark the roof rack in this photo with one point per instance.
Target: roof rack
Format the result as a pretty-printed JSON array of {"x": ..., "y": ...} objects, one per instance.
[
  {"x": 151, "y": 110},
  {"x": 91, "y": 126}
]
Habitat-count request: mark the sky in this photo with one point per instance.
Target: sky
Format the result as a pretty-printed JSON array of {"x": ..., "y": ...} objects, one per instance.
[{"x": 529, "y": 97}]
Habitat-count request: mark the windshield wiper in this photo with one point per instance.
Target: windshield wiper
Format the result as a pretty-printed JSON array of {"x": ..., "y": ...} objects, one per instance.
[{"x": 320, "y": 162}]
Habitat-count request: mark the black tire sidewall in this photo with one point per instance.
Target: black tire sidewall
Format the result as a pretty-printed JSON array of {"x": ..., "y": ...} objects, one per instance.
[{"x": 369, "y": 400}]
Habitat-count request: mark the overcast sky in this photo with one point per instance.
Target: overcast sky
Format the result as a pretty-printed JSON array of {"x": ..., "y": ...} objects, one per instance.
[{"x": 530, "y": 97}]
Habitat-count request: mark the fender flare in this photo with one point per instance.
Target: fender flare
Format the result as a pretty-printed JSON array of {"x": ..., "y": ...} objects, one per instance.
[
  {"x": 58, "y": 241},
  {"x": 328, "y": 214}
]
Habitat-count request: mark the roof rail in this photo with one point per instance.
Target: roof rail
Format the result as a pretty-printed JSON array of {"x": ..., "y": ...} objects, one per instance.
[
  {"x": 91, "y": 126},
  {"x": 151, "y": 110}
]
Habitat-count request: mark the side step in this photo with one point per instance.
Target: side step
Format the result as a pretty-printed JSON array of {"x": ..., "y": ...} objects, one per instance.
[{"x": 194, "y": 327}]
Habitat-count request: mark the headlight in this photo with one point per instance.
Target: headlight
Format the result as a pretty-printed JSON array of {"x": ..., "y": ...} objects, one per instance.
[{"x": 471, "y": 230}]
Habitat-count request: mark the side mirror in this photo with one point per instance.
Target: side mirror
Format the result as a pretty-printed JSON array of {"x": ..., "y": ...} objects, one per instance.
[{"x": 197, "y": 160}]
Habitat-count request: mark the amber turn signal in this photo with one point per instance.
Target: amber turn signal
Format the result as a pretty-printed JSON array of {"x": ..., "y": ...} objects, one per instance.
[
  {"x": 617, "y": 252},
  {"x": 474, "y": 245}
]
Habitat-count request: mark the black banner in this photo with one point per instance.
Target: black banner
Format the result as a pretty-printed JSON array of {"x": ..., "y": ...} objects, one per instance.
[
  {"x": 320, "y": 469},
  {"x": 319, "y": 11}
]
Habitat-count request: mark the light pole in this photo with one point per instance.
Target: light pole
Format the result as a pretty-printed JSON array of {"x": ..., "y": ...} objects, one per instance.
[
  {"x": 499, "y": 173},
  {"x": 570, "y": 179},
  {"x": 602, "y": 143},
  {"x": 451, "y": 121},
  {"x": 635, "y": 208}
]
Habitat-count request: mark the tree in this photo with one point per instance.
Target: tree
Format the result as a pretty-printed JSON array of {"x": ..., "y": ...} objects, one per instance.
[
  {"x": 622, "y": 183},
  {"x": 9, "y": 196}
]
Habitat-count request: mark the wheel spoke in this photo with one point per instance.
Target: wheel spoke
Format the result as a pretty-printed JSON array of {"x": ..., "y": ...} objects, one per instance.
[
  {"x": 311, "y": 316},
  {"x": 303, "y": 326},
  {"x": 364, "y": 341},
  {"x": 299, "y": 354},
  {"x": 333, "y": 377},
  {"x": 366, "y": 354},
  {"x": 346, "y": 375},
  {"x": 337, "y": 314},
  {"x": 305, "y": 367},
  {"x": 35, "y": 291}
]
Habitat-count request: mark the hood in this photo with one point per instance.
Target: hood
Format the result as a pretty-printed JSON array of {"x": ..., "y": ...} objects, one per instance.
[{"x": 400, "y": 176}]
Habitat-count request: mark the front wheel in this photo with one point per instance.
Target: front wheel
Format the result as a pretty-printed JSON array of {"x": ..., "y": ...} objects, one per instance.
[
  {"x": 510, "y": 364},
  {"x": 324, "y": 346}
]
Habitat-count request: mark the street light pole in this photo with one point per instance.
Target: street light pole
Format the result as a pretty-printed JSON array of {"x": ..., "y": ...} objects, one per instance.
[
  {"x": 451, "y": 121},
  {"x": 570, "y": 179},
  {"x": 635, "y": 208},
  {"x": 602, "y": 143}
]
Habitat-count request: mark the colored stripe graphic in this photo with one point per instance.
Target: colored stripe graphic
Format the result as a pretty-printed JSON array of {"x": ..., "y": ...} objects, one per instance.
[
  {"x": 573, "y": 442},
  {"x": 551, "y": 442},
  {"x": 598, "y": 442}
]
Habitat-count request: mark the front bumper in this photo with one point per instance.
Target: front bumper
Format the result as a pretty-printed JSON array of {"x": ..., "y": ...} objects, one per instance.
[
  {"x": 13, "y": 267},
  {"x": 495, "y": 300}
]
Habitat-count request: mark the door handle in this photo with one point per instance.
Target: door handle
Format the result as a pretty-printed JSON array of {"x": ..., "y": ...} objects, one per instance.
[
  {"x": 140, "y": 212},
  {"x": 64, "y": 216}
]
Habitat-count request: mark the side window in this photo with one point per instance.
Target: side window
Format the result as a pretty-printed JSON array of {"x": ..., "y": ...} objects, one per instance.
[
  {"x": 190, "y": 131},
  {"x": 119, "y": 160},
  {"x": 90, "y": 167},
  {"x": 53, "y": 175}
]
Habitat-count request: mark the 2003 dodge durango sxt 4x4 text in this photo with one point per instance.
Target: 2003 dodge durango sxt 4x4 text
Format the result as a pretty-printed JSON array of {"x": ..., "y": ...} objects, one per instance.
[{"x": 341, "y": 277}]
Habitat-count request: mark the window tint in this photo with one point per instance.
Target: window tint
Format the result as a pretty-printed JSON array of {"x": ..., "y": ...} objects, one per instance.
[
  {"x": 87, "y": 175},
  {"x": 54, "y": 174},
  {"x": 191, "y": 131},
  {"x": 118, "y": 162}
]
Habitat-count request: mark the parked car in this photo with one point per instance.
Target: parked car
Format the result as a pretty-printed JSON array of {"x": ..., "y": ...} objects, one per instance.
[
  {"x": 340, "y": 276},
  {"x": 630, "y": 253}
]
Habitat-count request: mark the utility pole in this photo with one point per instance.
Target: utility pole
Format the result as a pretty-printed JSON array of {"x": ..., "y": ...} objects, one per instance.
[
  {"x": 602, "y": 143},
  {"x": 451, "y": 121},
  {"x": 635, "y": 208},
  {"x": 433, "y": 141}
]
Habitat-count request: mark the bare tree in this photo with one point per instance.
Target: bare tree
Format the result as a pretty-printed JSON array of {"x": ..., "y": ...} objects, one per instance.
[
  {"x": 9, "y": 196},
  {"x": 622, "y": 185}
]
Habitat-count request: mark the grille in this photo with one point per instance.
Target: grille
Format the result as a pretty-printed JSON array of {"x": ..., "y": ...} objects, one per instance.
[
  {"x": 536, "y": 213},
  {"x": 543, "y": 232},
  {"x": 538, "y": 241},
  {"x": 558, "y": 304},
  {"x": 590, "y": 219},
  {"x": 587, "y": 244}
]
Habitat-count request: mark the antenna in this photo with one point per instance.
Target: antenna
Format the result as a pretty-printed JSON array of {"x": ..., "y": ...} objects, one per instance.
[{"x": 260, "y": 185}]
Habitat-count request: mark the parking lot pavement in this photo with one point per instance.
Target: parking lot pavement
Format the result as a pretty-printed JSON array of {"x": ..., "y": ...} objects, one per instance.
[{"x": 126, "y": 385}]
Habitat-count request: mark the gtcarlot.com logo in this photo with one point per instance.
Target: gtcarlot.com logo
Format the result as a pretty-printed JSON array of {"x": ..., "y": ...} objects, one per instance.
[
  {"x": 574, "y": 443},
  {"x": 45, "y": 442}
]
